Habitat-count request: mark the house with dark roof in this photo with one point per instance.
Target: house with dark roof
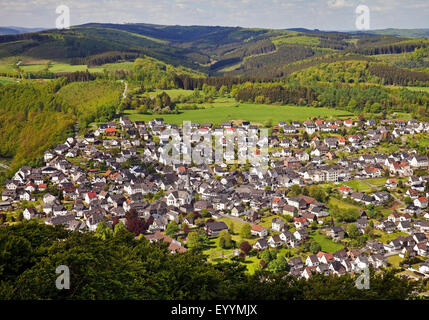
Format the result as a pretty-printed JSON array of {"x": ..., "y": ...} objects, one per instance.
[{"x": 214, "y": 228}]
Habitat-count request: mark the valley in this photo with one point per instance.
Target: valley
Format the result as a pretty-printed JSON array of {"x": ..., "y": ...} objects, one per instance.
[{"x": 90, "y": 117}]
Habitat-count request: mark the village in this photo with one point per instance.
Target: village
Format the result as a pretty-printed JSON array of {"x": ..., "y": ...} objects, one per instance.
[{"x": 338, "y": 196}]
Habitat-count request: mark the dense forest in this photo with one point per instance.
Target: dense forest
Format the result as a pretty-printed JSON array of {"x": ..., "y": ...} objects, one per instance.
[
  {"x": 98, "y": 100},
  {"x": 113, "y": 264},
  {"x": 353, "y": 98},
  {"x": 32, "y": 119},
  {"x": 390, "y": 48},
  {"x": 37, "y": 116},
  {"x": 358, "y": 71}
]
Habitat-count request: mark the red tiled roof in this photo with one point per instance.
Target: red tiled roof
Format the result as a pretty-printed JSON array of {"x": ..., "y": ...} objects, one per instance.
[{"x": 257, "y": 228}]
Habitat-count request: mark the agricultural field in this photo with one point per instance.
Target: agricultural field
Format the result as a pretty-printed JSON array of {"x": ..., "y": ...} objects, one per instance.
[
  {"x": 229, "y": 110},
  {"x": 32, "y": 65}
]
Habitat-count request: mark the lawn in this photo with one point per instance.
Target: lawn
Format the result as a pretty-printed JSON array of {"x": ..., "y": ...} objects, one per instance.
[
  {"x": 327, "y": 244},
  {"x": 236, "y": 225},
  {"x": 394, "y": 261},
  {"x": 377, "y": 181},
  {"x": 358, "y": 186},
  {"x": 229, "y": 111},
  {"x": 267, "y": 222},
  {"x": 251, "y": 263},
  {"x": 215, "y": 251},
  {"x": 342, "y": 204},
  {"x": 387, "y": 237}
]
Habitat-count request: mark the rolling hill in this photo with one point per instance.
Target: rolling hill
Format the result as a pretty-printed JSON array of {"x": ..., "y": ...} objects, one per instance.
[
  {"x": 350, "y": 72},
  {"x": 231, "y": 51}
]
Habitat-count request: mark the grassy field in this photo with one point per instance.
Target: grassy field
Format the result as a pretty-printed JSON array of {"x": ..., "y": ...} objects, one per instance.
[
  {"x": 327, "y": 244},
  {"x": 387, "y": 237},
  {"x": 219, "y": 112},
  {"x": 377, "y": 181},
  {"x": 64, "y": 67},
  {"x": 342, "y": 204},
  {"x": 267, "y": 222},
  {"x": 311, "y": 41},
  {"x": 236, "y": 227},
  {"x": 252, "y": 264},
  {"x": 358, "y": 186},
  {"x": 394, "y": 261},
  {"x": 33, "y": 65}
]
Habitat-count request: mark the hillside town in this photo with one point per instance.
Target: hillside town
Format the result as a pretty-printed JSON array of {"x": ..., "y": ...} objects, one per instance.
[{"x": 337, "y": 197}]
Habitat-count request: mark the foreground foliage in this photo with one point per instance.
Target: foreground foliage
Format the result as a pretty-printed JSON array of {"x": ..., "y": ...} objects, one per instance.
[{"x": 117, "y": 266}]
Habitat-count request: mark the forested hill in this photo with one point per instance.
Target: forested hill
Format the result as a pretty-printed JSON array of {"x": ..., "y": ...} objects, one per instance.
[
  {"x": 41, "y": 73},
  {"x": 232, "y": 51}
]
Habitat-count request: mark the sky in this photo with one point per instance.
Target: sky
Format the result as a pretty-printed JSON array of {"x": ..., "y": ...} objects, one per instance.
[{"x": 277, "y": 14}]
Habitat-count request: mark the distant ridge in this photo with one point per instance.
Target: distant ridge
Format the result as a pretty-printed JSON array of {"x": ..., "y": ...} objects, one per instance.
[
  {"x": 18, "y": 30},
  {"x": 405, "y": 33},
  {"x": 303, "y": 30}
]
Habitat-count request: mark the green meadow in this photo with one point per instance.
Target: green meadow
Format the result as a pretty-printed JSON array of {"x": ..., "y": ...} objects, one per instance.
[
  {"x": 229, "y": 110},
  {"x": 358, "y": 186},
  {"x": 325, "y": 243},
  {"x": 311, "y": 41},
  {"x": 31, "y": 65}
]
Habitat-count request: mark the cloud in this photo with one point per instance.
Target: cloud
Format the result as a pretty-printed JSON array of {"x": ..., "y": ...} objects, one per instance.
[
  {"x": 340, "y": 3},
  {"x": 311, "y": 14}
]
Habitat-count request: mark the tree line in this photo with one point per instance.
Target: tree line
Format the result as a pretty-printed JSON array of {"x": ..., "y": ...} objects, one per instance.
[{"x": 113, "y": 263}]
